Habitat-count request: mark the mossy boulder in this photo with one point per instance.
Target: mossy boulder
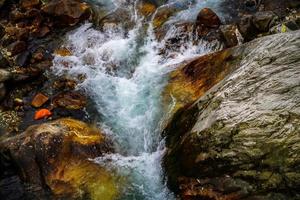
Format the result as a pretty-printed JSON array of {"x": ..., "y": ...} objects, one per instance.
[
  {"x": 55, "y": 156},
  {"x": 240, "y": 138}
]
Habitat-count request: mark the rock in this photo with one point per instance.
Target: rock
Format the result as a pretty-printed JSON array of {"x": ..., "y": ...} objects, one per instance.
[
  {"x": 40, "y": 32},
  {"x": 25, "y": 74},
  {"x": 229, "y": 33},
  {"x": 146, "y": 7},
  {"x": 16, "y": 47},
  {"x": 39, "y": 100},
  {"x": 2, "y": 31},
  {"x": 2, "y": 91},
  {"x": 17, "y": 33},
  {"x": 247, "y": 28},
  {"x": 68, "y": 12},
  {"x": 55, "y": 156},
  {"x": 163, "y": 13},
  {"x": 3, "y": 62},
  {"x": 120, "y": 17},
  {"x": 63, "y": 52},
  {"x": 240, "y": 138},
  {"x": 263, "y": 21},
  {"x": 70, "y": 100},
  {"x": 42, "y": 114},
  {"x": 193, "y": 79},
  {"x": 208, "y": 18},
  {"x": 29, "y": 4},
  {"x": 22, "y": 58},
  {"x": 4, "y": 75}
]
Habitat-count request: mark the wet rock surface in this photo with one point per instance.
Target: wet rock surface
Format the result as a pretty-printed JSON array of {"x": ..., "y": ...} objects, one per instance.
[
  {"x": 53, "y": 157},
  {"x": 239, "y": 140}
]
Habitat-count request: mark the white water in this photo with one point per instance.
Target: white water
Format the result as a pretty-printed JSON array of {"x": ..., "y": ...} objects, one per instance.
[{"x": 124, "y": 76}]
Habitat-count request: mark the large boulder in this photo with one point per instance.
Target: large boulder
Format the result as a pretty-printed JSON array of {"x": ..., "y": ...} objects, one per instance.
[
  {"x": 55, "y": 156},
  {"x": 240, "y": 138}
]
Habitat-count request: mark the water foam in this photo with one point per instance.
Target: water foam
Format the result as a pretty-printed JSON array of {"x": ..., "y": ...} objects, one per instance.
[{"x": 124, "y": 76}]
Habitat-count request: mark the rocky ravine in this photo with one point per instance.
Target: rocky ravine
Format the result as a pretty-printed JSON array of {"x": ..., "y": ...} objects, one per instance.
[{"x": 240, "y": 140}]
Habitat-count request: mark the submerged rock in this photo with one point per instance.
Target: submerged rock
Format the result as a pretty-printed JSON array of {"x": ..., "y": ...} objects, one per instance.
[
  {"x": 240, "y": 138},
  {"x": 55, "y": 156}
]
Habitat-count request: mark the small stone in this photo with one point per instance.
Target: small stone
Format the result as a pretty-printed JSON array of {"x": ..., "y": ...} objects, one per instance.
[
  {"x": 2, "y": 91},
  {"x": 263, "y": 21},
  {"x": 4, "y": 75},
  {"x": 70, "y": 100},
  {"x": 229, "y": 34},
  {"x": 39, "y": 100},
  {"x": 18, "y": 33},
  {"x": 40, "y": 31},
  {"x": 2, "y": 31},
  {"x": 3, "y": 62},
  {"x": 18, "y": 102},
  {"x": 28, "y": 4},
  {"x": 22, "y": 58},
  {"x": 16, "y": 47},
  {"x": 63, "y": 52}
]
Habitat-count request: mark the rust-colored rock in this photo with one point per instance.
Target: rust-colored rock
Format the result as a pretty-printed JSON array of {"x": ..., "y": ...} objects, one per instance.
[
  {"x": 39, "y": 100},
  {"x": 192, "y": 80},
  {"x": 208, "y": 18},
  {"x": 63, "y": 52}
]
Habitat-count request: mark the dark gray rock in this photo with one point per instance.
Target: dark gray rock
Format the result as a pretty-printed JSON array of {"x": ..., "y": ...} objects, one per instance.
[
  {"x": 2, "y": 91},
  {"x": 3, "y": 62},
  {"x": 264, "y": 20}
]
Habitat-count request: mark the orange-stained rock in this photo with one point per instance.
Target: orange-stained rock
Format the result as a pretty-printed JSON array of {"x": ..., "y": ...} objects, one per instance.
[
  {"x": 146, "y": 7},
  {"x": 42, "y": 113},
  {"x": 39, "y": 100},
  {"x": 55, "y": 155},
  {"x": 190, "y": 81},
  {"x": 63, "y": 52}
]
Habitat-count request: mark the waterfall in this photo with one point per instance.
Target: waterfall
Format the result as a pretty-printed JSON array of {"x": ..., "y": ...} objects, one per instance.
[{"x": 124, "y": 75}]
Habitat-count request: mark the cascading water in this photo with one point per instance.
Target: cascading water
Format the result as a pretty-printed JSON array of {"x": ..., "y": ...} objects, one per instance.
[{"x": 124, "y": 76}]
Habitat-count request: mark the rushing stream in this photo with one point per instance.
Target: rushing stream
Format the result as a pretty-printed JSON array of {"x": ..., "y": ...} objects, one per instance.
[{"x": 125, "y": 74}]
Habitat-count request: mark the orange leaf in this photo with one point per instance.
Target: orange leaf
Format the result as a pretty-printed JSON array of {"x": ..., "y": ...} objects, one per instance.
[{"x": 42, "y": 113}]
